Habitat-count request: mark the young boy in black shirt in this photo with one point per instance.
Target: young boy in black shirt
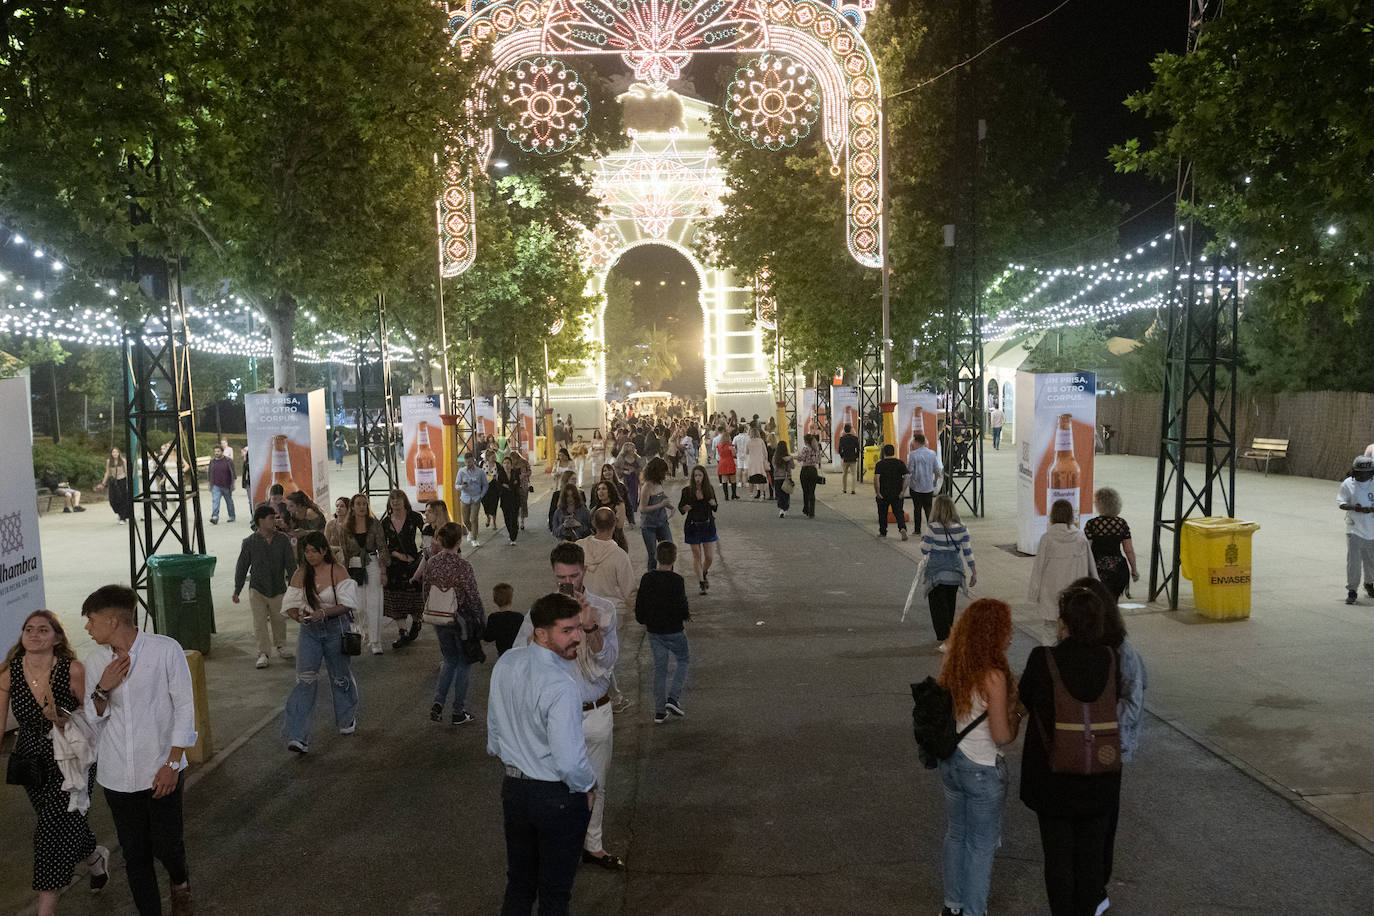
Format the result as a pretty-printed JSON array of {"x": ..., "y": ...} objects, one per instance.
[
  {"x": 661, "y": 605},
  {"x": 503, "y": 624}
]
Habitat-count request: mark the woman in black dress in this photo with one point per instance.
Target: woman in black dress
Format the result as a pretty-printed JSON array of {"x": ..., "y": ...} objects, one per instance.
[
  {"x": 1110, "y": 538},
  {"x": 44, "y": 680},
  {"x": 401, "y": 600},
  {"x": 117, "y": 478}
]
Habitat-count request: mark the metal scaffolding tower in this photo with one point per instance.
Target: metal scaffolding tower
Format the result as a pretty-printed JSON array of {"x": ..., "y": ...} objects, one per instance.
[
  {"x": 158, "y": 400},
  {"x": 377, "y": 465},
  {"x": 1196, "y": 470},
  {"x": 870, "y": 385},
  {"x": 961, "y": 438}
]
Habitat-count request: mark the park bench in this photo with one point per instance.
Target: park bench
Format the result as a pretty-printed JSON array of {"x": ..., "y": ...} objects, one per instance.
[
  {"x": 41, "y": 493},
  {"x": 1266, "y": 451}
]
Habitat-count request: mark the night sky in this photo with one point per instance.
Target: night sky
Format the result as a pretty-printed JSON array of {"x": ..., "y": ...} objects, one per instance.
[{"x": 1095, "y": 53}]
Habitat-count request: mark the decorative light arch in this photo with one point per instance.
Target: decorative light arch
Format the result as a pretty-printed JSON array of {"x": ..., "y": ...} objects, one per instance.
[{"x": 656, "y": 37}]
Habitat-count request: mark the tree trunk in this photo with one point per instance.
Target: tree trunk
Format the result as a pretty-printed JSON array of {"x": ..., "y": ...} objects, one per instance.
[
  {"x": 281, "y": 318},
  {"x": 425, "y": 362}
]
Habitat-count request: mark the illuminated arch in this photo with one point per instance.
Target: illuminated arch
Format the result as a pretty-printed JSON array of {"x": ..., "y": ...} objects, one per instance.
[{"x": 816, "y": 34}]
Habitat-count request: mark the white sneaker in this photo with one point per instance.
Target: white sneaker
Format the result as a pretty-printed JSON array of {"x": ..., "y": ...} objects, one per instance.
[
  {"x": 350, "y": 728},
  {"x": 510, "y": 542},
  {"x": 285, "y": 652},
  {"x": 299, "y": 747},
  {"x": 376, "y": 650},
  {"x": 262, "y": 660}
]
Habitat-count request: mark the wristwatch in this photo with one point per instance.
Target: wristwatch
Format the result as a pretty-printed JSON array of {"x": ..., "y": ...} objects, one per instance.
[
  {"x": 175, "y": 765},
  {"x": 100, "y": 695}
]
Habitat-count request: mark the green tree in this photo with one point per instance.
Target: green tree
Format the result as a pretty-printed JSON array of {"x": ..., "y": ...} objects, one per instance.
[
  {"x": 829, "y": 307},
  {"x": 277, "y": 144},
  {"x": 1273, "y": 114}
]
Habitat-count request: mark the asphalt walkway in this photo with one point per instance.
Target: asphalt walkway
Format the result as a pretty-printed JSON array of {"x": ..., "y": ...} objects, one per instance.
[{"x": 793, "y": 786}]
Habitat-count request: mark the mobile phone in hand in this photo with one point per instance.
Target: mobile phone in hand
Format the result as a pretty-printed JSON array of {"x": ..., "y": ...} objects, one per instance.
[{"x": 566, "y": 588}]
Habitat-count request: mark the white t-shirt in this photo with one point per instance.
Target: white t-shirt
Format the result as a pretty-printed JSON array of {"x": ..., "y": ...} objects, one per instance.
[
  {"x": 977, "y": 745},
  {"x": 1358, "y": 493}
]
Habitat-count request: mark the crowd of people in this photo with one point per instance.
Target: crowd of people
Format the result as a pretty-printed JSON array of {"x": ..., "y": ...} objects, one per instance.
[{"x": 553, "y": 694}]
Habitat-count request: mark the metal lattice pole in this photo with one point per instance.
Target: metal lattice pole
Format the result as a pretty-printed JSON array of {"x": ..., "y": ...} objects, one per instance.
[
  {"x": 377, "y": 465},
  {"x": 1200, "y": 368},
  {"x": 158, "y": 397}
]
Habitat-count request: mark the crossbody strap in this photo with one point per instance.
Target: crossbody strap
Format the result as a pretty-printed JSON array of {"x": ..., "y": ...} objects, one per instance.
[{"x": 970, "y": 727}]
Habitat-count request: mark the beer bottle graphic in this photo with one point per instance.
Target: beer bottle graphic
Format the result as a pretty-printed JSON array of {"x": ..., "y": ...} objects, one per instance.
[
  {"x": 1064, "y": 471},
  {"x": 281, "y": 464},
  {"x": 426, "y": 474}
]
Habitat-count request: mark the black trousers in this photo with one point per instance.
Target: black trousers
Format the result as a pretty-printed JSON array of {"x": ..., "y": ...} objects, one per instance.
[
  {"x": 941, "y": 600},
  {"x": 1075, "y": 856},
  {"x": 895, "y": 504},
  {"x": 920, "y": 502},
  {"x": 510, "y": 512},
  {"x": 809, "y": 476},
  {"x": 149, "y": 828},
  {"x": 545, "y": 826}
]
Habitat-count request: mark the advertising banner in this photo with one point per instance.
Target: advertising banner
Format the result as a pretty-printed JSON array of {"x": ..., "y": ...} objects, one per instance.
[
  {"x": 522, "y": 430},
  {"x": 21, "y": 556},
  {"x": 1056, "y": 417},
  {"x": 844, "y": 409},
  {"x": 486, "y": 417},
  {"x": 917, "y": 411},
  {"x": 287, "y": 445},
  {"x": 422, "y": 433}
]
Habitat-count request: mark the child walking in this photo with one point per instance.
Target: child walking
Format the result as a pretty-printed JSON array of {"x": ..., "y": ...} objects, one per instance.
[{"x": 661, "y": 606}]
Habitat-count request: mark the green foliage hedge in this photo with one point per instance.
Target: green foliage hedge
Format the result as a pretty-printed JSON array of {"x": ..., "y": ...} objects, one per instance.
[{"x": 74, "y": 461}]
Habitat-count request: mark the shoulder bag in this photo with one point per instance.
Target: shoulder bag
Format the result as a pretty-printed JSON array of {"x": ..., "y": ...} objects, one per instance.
[{"x": 25, "y": 770}]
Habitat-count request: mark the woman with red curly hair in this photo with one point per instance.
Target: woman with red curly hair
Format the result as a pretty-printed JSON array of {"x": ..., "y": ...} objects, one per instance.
[{"x": 974, "y": 778}]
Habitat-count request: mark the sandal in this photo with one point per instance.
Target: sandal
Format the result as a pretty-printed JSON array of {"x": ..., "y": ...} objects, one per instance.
[{"x": 605, "y": 860}]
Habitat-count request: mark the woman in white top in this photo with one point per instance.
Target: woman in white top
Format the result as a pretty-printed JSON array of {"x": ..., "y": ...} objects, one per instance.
[
  {"x": 974, "y": 778},
  {"x": 322, "y": 598},
  {"x": 1063, "y": 555},
  {"x": 756, "y": 459}
]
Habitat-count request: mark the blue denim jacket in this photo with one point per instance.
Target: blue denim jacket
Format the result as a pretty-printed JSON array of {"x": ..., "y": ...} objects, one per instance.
[{"x": 1130, "y": 706}]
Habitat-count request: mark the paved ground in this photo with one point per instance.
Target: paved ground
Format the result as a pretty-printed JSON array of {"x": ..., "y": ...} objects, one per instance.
[{"x": 793, "y": 786}]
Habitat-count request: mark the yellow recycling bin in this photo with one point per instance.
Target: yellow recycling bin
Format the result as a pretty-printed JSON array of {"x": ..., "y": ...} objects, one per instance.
[
  {"x": 871, "y": 455},
  {"x": 1215, "y": 555}
]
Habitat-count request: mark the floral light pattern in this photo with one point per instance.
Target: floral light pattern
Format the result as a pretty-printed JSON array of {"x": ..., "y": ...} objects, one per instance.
[
  {"x": 547, "y": 106},
  {"x": 773, "y": 102}
]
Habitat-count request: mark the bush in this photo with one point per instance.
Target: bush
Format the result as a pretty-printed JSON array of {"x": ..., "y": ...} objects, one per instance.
[{"x": 74, "y": 462}]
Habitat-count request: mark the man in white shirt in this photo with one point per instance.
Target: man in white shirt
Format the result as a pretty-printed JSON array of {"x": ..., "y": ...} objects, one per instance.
[
  {"x": 534, "y": 724},
  {"x": 596, "y": 660},
  {"x": 609, "y": 572},
  {"x": 741, "y": 444},
  {"x": 143, "y": 698},
  {"x": 923, "y": 479},
  {"x": 996, "y": 420},
  {"x": 1356, "y": 498}
]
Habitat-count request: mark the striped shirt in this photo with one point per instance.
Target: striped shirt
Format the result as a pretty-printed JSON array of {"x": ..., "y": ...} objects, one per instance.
[{"x": 943, "y": 548}]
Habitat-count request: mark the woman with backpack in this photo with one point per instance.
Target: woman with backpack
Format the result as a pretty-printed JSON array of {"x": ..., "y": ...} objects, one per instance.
[
  {"x": 945, "y": 548},
  {"x": 1071, "y": 760},
  {"x": 974, "y": 777}
]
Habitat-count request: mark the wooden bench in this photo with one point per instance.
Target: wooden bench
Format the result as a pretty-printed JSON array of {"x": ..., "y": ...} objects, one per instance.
[
  {"x": 1266, "y": 451},
  {"x": 42, "y": 493}
]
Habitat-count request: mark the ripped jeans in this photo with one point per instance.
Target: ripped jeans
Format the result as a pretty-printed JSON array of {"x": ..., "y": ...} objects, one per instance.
[{"x": 319, "y": 642}]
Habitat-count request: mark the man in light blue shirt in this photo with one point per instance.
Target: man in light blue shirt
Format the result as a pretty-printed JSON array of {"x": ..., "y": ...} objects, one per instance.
[
  {"x": 534, "y": 724},
  {"x": 472, "y": 486},
  {"x": 923, "y": 478}
]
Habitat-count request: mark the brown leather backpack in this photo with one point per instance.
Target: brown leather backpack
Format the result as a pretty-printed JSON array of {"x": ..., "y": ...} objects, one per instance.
[{"x": 1087, "y": 736}]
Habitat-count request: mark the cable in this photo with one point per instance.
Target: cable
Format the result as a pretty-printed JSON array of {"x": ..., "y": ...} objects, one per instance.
[{"x": 965, "y": 63}]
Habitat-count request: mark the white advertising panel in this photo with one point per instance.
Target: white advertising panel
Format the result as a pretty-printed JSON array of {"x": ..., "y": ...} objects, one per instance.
[
  {"x": 287, "y": 444},
  {"x": 844, "y": 410},
  {"x": 917, "y": 411},
  {"x": 1056, "y": 417},
  {"x": 806, "y": 415},
  {"x": 522, "y": 431},
  {"x": 21, "y": 556},
  {"x": 422, "y": 433},
  {"x": 486, "y": 417}
]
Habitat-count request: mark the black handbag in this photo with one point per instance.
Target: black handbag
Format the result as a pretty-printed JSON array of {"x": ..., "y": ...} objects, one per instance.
[
  {"x": 26, "y": 770},
  {"x": 351, "y": 642}
]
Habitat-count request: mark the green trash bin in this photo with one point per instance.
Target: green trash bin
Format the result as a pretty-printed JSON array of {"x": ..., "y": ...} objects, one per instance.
[{"x": 182, "y": 605}]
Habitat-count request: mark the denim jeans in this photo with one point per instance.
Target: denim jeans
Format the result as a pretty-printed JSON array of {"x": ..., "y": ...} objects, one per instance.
[
  {"x": 973, "y": 809},
  {"x": 453, "y": 669},
  {"x": 228, "y": 495},
  {"x": 996, "y": 438},
  {"x": 653, "y": 531},
  {"x": 319, "y": 642},
  {"x": 545, "y": 825},
  {"x": 660, "y": 644}
]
